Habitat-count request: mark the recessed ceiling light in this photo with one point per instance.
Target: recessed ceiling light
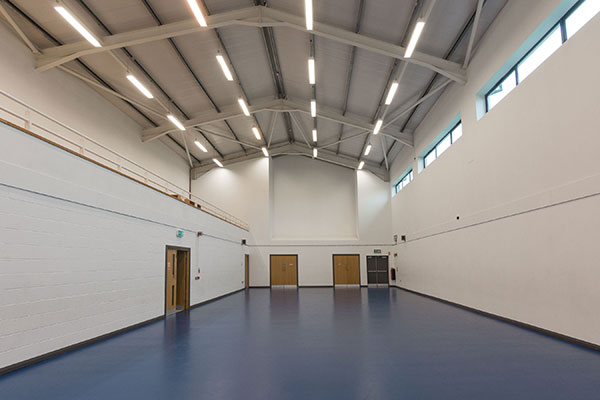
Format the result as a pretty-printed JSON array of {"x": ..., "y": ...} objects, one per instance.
[
  {"x": 218, "y": 162},
  {"x": 265, "y": 152},
  {"x": 391, "y": 93},
  {"x": 314, "y": 133},
  {"x": 311, "y": 71},
  {"x": 368, "y": 149},
  {"x": 313, "y": 108},
  {"x": 256, "y": 133},
  {"x": 315, "y": 152},
  {"x": 361, "y": 165},
  {"x": 308, "y": 8}
]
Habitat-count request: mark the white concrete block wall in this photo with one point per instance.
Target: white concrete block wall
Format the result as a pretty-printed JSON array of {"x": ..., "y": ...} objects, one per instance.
[
  {"x": 525, "y": 181},
  {"x": 82, "y": 249}
]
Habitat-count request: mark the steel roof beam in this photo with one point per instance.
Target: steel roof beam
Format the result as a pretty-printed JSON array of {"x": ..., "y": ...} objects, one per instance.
[
  {"x": 296, "y": 149},
  {"x": 278, "y": 105},
  {"x": 257, "y": 16}
]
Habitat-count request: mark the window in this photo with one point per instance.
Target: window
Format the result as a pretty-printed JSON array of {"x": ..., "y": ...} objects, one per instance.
[
  {"x": 443, "y": 145},
  {"x": 402, "y": 182},
  {"x": 578, "y": 16}
]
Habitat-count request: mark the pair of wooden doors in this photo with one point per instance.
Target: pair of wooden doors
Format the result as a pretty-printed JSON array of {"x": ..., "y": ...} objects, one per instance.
[
  {"x": 346, "y": 269},
  {"x": 177, "y": 280},
  {"x": 284, "y": 270}
]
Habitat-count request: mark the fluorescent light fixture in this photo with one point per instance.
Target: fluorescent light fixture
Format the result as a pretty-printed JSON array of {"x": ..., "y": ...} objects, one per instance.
[
  {"x": 308, "y": 7},
  {"x": 361, "y": 165},
  {"x": 265, "y": 152},
  {"x": 377, "y": 126},
  {"x": 176, "y": 122},
  {"x": 224, "y": 67},
  {"x": 197, "y": 12},
  {"x": 368, "y": 149},
  {"x": 315, "y": 152},
  {"x": 77, "y": 25},
  {"x": 414, "y": 39},
  {"x": 200, "y": 146},
  {"x": 391, "y": 93},
  {"x": 256, "y": 132},
  {"x": 314, "y": 135},
  {"x": 311, "y": 71},
  {"x": 313, "y": 108},
  {"x": 139, "y": 86},
  {"x": 244, "y": 107},
  {"x": 218, "y": 162}
]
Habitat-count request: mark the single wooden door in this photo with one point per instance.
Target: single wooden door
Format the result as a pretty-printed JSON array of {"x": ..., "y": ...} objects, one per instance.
[
  {"x": 353, "y": 270},
  {"x": 247, "y": 259},
  {"x": 171, "y": 281},
  {"x": 284, "y": 270},
  {"x": 340, "y": 269},
  {"x": 182, "y": 274}
]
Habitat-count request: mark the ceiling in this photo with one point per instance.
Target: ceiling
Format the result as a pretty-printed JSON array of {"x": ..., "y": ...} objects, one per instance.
[{"x": 267, "y": 49}]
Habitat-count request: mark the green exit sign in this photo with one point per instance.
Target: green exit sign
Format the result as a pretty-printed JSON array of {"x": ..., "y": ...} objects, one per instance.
[
  {"x": 179, "y": 234},
  {"x": 377, "y": 251}
]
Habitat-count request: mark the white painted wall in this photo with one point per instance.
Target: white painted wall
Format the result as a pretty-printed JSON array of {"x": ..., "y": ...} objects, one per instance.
[
  {"x": 72, "y": 102},
  {"x": 524, "y": 180},
  {"x": 243, "y": 189},
  {"x": 311, "y": 199},
  {"x": 82, "y": 249}
]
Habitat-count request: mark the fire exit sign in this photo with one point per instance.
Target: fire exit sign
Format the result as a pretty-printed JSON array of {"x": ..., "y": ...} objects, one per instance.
[
  {"x": 179, "y": 234},
  {"x": 377, "y": 251}
]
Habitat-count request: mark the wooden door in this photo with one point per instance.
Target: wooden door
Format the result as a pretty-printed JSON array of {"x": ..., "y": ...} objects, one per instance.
[
  {"x": 353, "y": 270},
  {"x": 284, "y": 270},
  {"x": 340, "y": 274},
  {"x": 171, "y": 281},
  {"x": 182, "y": 276},
  {"x": 247, "y": 259},
  {"x": 346, "y": 269}
]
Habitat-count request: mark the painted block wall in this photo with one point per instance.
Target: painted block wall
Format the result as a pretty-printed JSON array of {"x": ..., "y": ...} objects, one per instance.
[
  {"x": 244, "y": 190},
  {"x": 82, "y": 249},
  {"x": 75, "y": 104},
  {"x": 524, "y": 180}
]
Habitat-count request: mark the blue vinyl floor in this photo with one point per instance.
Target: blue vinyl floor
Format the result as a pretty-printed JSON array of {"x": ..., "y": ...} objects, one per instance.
[{"x": 318, "y": 344}]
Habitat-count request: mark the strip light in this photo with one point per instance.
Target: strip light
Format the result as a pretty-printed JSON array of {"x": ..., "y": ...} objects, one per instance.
[
  {"x": 244, "y": 107},
  {"x": 368, "y": 149},
  {"x": 377, "y": 126},
  {"x": 391, "y": 93},
  {"x": 311, "y": 71},
  {"x": 313, "y": 108},
  {"x": 218, "y": 162},
  {"x": 256, "y": 133},
  {"x": 265, "y": 152},
  {"x": 361, "y": 165},
  {"x": 197, "y": 12},
  {"x": 200, "y": 146},
  {"x": 77, "y": 25},
  {"x": 314, "y": 132},
  {"x": 414, "y": 39},
  {"x": 176, "y": 122},
  {"x": 224, "y": 67},
  {"x": 139, "y": 86},
  {"x": 315, "y": 152},
  {"x": 308, "y": 8}
]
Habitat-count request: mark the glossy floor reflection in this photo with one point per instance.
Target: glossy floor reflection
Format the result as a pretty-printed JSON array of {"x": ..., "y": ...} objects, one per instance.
[{"x": 318, "y": 344}]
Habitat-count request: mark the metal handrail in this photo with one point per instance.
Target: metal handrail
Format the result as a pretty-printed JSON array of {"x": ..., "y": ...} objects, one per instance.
[{"x": 122, "y": 164}]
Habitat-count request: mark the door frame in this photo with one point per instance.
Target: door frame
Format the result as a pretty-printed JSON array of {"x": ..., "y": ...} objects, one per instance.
[
  {"x": 189, "y": 289},
  {"x": 387, "y": 272},
  {"x": 246, "y": 271},
  {"x": 271, "y": 266},
  {"x": 333, "y": 267}
]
